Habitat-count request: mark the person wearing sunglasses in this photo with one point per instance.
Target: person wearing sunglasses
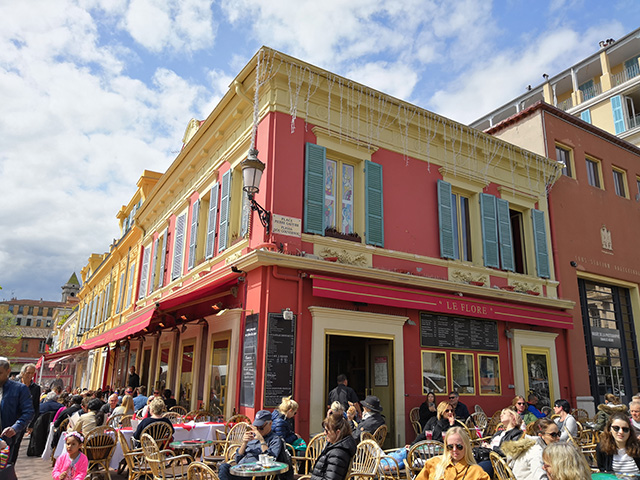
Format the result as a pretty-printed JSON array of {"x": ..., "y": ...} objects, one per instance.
[
  {"x": 565, "y": 421},
  {"x": 524, "y": 456},
  {"x": 334, "y": 460},
  {"x": 460, "y": 409},
  {"x": 563, "y": 461},
  {"x": 456, "y": 463},
  {"x": 520, "y": 406},
  {"x": 618, "y": 450},
  {"x": 446, "y": 420}
]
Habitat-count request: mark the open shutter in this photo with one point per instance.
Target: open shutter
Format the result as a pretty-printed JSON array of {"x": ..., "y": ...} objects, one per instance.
[
  {"x": 618, "y": 114},
  {"x": 445, "y": 220},
  {"x": 374, "y": 228},
  {"x": 163, "y": 256},
  {"x": 154, "y": 263},
  {"x": 211, "y": 221},
  {"x": 315, "y": 158},
  {"x": 489, "y": 230},
  {"x": 193, "y": 238},
  {"x": 586, "y": 116},
  {"x": 504, "y": 232},
  {"x": 132, "y": 273},
  {"x": 178, "y": 247},
  {"x": 540, "y": 242},
  {"x": 632, "y": 68},
  {"x": 120, "y": 292},
  {"x": 142, "y": 290},
  {"x": 106, "y": 311},
  {"x": 225, "y": 204}
]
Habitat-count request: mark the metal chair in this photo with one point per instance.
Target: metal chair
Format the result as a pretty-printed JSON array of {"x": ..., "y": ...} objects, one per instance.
[
  {"x": 200, "y": 471},
  {"x": 501, "y": 470},
  {"x": 311, "y": 454},
  {"x": 414, "y": 417},
  {"x": 161, "y": 433},
  {"x": 99, "y": 447},
  {"x": 163, "y": 464},
  {"x": 174, "y": 417},
  {"x": 135, "y": 459},
  {"x": 419, "y": 453},
  {"x": 366, "y": 461}
]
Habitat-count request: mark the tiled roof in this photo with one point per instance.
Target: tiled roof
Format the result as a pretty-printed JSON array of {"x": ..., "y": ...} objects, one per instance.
[
  {"x": 31, "y": 332},
  {"x": 33, "y": 303}
]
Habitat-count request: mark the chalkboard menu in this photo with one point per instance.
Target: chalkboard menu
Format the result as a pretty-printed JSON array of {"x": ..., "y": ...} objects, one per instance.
[
  {"x": 445, "y": 331},
  {"x": 279, "y": 368},
  {"x": 249, "y": 356}
]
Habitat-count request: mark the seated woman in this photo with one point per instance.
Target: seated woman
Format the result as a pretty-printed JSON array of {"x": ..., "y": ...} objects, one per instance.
[
  {"x": 511, "y": 421},
  {"x": 126, "y": 408},
  {"x": 565, "y": 421},
  {"x": 446, "y": 420},
  {"x": 333, "y": 463},
  {"x": 91, "y": 419},
  {"x": 457, "y": 463},
  {"x": 618, "y": 451},
  {"x": 524, "y": 456},
  {"x": 280, "y": 418},
  {"x": 428, "y": 409},
  {"x": 563, "y": 461},
  {"x": 156, "y": 409}
]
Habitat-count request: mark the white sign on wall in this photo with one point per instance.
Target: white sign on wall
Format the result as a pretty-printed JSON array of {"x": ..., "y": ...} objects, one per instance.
[{"x": 286, "y": 225}]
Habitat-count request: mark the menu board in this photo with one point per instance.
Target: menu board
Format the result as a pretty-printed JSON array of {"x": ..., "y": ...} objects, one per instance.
[
  {"x": 249, "y": 356},
  {"x": 280, "y": 359},
  {"x": 446, "y": 331}
]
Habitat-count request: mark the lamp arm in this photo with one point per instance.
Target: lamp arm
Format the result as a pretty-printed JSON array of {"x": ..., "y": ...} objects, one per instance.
[{"x": 263, "y": 215}]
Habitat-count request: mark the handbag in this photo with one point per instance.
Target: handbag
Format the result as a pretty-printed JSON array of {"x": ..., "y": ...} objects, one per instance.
[{"x": 481, "y": 454}]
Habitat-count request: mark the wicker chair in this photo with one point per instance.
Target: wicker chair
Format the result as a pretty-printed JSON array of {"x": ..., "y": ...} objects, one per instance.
[
  {"x": 160, "y": 432},
  {"x": 419, "y": 453},
  {"x": 174, "y": 417},
  {"x": 303, "y": 465},
  {"x": 99, "y": 447},
  {"x": 135, "y": 459},
  {"x": 378, "y": 436},
  {"x": 414, "y": 417},
  {"x": 238, "y": 418},
  {"x": 178, "y": 409},
  {"x": 200, "y": 471},
  {"x": 163, "y": 464},
  {"x": 222, "y": 443},
  {"x": 197, "y": 416},
  {"x": 581, "y": 415},
  {"x": 366, "y": 461},
  {"x": 501, "y": 470}
]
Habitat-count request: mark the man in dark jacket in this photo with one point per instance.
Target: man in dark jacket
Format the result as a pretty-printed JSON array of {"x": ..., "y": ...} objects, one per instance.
[
  {"x": 134, "y": 378},
  {"x": 461, "y": 410},
  {"x": 27, "y": 373},
  {"x": 16, "y": 407},
  {"x": 344, "y": 394},
  {"x": 76, "y": 404},
  {"x": 372, "y": 417}
]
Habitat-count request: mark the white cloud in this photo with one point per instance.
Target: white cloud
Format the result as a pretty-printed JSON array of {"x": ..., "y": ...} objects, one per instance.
[{"x": 397, "y": 80}]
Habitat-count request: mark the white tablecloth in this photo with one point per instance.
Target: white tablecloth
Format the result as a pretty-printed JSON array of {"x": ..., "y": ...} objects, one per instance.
[{"x": 203, "y": 431}]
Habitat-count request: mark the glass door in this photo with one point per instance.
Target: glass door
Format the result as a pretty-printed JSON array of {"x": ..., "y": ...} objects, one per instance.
[
  {"x": 218, "y": 369},
  {"x": 186, "y": 375},
  {"x": 538, "y": 375}
]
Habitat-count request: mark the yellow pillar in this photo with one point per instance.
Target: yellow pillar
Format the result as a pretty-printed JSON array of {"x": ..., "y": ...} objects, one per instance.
[
  {"x": 547, "y": 93},
  {"x": 605, "y": 78}
]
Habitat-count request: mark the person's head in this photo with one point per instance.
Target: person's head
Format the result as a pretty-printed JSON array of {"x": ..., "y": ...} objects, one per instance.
[
  {"x": 453, "y": 398},
  {"x": 113, "y": 401},
  {"x": 510, "y": 418},
  {"x": 156, "y": 406},
  {"x": 157, "y": 393},
  {"x": 73, "y": 442},
  {"x": 519, "y": 404},
  {"x": 142, "y": 390},
  {"x": 445, "y": 410},
  {"x": 335, "y": 409},
  {"x": 547, "y": 430},
  {"x": 371, "y": 404},
  {"x": 27, "y": 372},
  {"x": 85, "y": 403},
  {"x": 560, "y": 406},
  {"x": 5, "y": 370},
  {"x": 128, "y": 391},
  {"x": 431, "y": 397},
  {"x": 127, "y": 404},
  {"x": 132, "y": 369},
  {"x": 342, "y": 379},
  {"x": 57, "y": 389},
  {"x": 76, "y": 400},
  {"x": 336, "y": 427},
  {"x": 167, "y": 393},
  {"x": 263, "y": 422},
  {"x": 457, "y": 447},
  {"x": 94, "y": 405},
  {"x": 532, "y": 399},
  {"x": 634, "y": 410},
  {"x": 618, "y": 434},
  {"x": 563, "y": 461},
  {"x": 611, "y": 398},
  {"x": 288, "y": 407},
  {"x": 51, "y": 397}
]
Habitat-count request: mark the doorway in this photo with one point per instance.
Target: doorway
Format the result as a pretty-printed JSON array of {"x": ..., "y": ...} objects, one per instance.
[{"x": 368, "y": 365}]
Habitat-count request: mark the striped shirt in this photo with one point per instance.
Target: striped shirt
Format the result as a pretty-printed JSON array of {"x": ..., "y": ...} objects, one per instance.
[{"x": 623, "y": 463}]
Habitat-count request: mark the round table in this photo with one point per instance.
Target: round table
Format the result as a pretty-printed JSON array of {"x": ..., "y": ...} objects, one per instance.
[
  {"x": 196, "y": 444},
  {"x": 254, "y": 469}
]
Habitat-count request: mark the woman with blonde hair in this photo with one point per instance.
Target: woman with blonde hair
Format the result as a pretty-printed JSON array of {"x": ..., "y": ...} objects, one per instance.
[
  {"x": 446, "y": 420},
  {"x": 457, "y": 463},
  {"x": 563, "y": 461},
  {"x": 280, "y": 416},
  {"x": 126, "y": 408}
]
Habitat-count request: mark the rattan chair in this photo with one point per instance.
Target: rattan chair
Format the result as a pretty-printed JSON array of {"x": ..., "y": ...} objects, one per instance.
[
  {"x": 136, "y": 462},
  {"x": 163, "y": 464},
  {"x": 161, "y": 432},
  {"x": 99, "y": 447},
  {"x": 366, "y": 461},
  {"x": 378, "y": 436},
  {"x": 239, "y": 418},
  {"x": 174, "y": 417},
  {"x": 501, "y": 470},
  {"x": 200, "y": 471},
  {"x": 179, "y": 409},
  {"x": 414, "y": 417},
  {"x": 223, "y": 442},
  {"x": 197, "y": 416},
  {"x": 581, "y": 415},
  {"x": 419, "y": 453},
  {"x": 303, "y": 465}
]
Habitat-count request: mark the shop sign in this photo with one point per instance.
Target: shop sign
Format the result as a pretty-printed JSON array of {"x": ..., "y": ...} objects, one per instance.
[{"x": 605, "y": 337}]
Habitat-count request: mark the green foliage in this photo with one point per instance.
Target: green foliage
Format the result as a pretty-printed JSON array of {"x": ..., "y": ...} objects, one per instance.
[{"x": 9, "y": 333}]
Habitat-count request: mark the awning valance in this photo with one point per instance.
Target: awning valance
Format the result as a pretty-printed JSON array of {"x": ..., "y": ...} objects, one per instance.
[
  {"x": 133, "y": 326},
  {"x": 63, "y": 353}
]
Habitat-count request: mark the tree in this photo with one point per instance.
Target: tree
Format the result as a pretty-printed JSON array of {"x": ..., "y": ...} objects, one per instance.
[{"x": 9, "y": 333}]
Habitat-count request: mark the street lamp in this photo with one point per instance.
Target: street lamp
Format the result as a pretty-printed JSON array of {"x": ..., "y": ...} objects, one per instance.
[{"x": 252, "y": 169}]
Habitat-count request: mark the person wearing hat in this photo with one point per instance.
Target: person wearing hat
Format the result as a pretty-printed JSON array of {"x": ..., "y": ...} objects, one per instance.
[
  {"x": 372, "y": 417},
  {"x": 257, "y": 440}
]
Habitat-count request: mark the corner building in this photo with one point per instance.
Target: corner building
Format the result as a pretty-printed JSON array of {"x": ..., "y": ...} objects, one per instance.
[{"x": 414, "y": 254}]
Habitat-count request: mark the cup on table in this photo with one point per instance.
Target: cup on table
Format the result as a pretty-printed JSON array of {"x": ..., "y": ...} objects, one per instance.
[
  {"x": 263, "y": 460},
  {"x": 428, "y": 434}
]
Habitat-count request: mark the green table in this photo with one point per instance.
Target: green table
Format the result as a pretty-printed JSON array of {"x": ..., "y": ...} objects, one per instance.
[
  {"x": 254, "y": 469},
  {"x": 196, "y": 445}
]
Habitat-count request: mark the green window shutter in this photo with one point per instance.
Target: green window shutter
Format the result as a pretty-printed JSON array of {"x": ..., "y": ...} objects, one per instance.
[
  {"x": 489, "y": 230},
  {"x": 144, "y": 273},
  {"x": 445, "y": 220},
  {"x": 315, "y": 158},
  {"x": 225, "y": 204},
  {"x": 618, "y": 114},
  {"x": 163, "y": 256},
  {"x": 178, "y": 247},
  {"x": 540, "y": 242},
  {"x": 374, "y": 228},
  {"x": 504, "y": 233},
  {"x": 211, "y": 221},
  {"x": 154, "y": 261},
  {"x": 193, "y": 235}
]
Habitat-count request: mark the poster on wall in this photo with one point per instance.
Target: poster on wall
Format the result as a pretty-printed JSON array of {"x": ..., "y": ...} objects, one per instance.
[
  {"x": 381, "y": 372},
  {"x": 249, "y": 356},
  {"x": 280, "y": 359}
]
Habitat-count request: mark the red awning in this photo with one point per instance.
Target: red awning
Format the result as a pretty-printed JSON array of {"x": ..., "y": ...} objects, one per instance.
[
  {"x": 133, "y": 326},
  {"x": 63, "y": 353},
  {"x": 53, "y": 363}
]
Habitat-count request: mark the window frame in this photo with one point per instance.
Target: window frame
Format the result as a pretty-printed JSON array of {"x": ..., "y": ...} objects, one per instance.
[
  {"x": 472, "y": 372},
  {"x": 621, "y": 182},
  {"x": 497, "y": 377},
  {"x": 461, "y": 230},
  {"x": 569, "y": 169},
  {"x": 597, "y": 177},
  {"x": 443, "y": 371},
  {"x": 24, "y": 347}
]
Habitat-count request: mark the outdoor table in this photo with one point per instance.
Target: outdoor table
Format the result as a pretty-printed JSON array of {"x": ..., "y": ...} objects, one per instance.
[
  {"x": 255, "y": 469},
  {"x": 613, "y": 476},
  {"x": 195, "y": 444}
]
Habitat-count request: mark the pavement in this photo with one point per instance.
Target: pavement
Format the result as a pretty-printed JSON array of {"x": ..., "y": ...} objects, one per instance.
[{"x": 34, "y": 468}]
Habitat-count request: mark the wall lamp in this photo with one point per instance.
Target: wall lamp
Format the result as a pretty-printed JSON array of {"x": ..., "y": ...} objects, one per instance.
[
  {"x": 252, "y": 169},
  {"x": 287, "y": 314}
]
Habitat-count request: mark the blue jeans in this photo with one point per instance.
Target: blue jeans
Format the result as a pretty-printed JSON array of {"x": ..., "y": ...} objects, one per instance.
[
  {"x": 487, "y": 467},
  {"x": 224, "y": 474}
]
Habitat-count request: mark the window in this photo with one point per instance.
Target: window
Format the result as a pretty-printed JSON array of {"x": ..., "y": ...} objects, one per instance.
[
  {"x": 144, "y": 273},
  {"x": 42, "y": 346},
  {"x": 563, "y": 155},
  {"x": 159, "y": 262},
  {"x": 518, "y": 245},
  {"x": 40, "y": 311},
  {"x": 50, "y": 311},
  {"x": 30, "y": 311},
  {"x": 178, "y": 246},
  {"x": 455, "y": 230},
  {"x": 25, "y": 346},
  {"x": 21, "y": 309},
  {"x": 588, "y": 90},
  {"x": 11, "y": 308},
  {"x": 489, "y": 374},
  {"x": 18, "y": 321},
  {"x": 338, "y": 196},
  {"x": 593, "y": 172},
  {"x": 132, "y": 272},
  {"x": 38, "y": 323},
  {"x": 28, "y": 324},
  {"x": 48, "y": 323},
  {"x": 620, "y": 182},
  {"x": 463, "y": 373},
  {"x": 434, "y": 373}
]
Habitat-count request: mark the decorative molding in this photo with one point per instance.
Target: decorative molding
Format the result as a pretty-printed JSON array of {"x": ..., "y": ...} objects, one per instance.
[
  {"x": 465, "y": 276},
  {"x": 344, "y": 256}
]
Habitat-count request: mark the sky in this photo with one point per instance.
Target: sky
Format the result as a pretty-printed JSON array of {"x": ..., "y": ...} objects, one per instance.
[{"x": 93, "y": 92}]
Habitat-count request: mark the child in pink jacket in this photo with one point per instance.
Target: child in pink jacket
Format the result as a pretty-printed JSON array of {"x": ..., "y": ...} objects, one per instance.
[{"x": 72, "y": 464}]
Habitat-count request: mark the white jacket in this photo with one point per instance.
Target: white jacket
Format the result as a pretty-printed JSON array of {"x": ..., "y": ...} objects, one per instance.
[{"x": 524, "y": 456}]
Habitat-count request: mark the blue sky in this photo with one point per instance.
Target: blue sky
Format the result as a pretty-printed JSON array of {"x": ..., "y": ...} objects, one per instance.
[{"x": 92, "y": 92}]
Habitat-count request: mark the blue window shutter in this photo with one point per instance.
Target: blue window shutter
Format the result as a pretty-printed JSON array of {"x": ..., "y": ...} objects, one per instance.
[
  {"x": 225, "y": 204},
  {"x": 618, "y": 114},
  {"x": 445, "y": 220},
  {"x": 632, "y": 68},
  {"x": 193, "y": 236},
  {"x": 142, "y": 290},
  {"x": 163, "y": 256},
  {"x": 540, "y": 242},
  {"x": 120, "y": 293},
  {"x": 586, "y": 116},
  {"x": 504, "y": 233},
  {"x": 374, "y": 228},
  {"x": 246, "y": 215},
  {"x": 154, "y": 261},
  {"x": 315, "y": 159},
  {"x": 178, "y": 247},
  {"x": 211, "y": 221},
  {"x": 489, "y": 230},
  {"x": 587, "y": 89},
  {"x": 132, "y": 273}
]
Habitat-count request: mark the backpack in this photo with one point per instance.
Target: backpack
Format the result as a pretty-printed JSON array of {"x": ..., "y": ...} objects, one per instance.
[{"x": 285, "y": 457}]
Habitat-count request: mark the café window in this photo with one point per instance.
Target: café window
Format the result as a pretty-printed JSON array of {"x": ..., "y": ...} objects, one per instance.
[
  {"x": 434, "y": 373},
  {"x": 489, "y": 374},
  {"x": 462, "y": 373}
]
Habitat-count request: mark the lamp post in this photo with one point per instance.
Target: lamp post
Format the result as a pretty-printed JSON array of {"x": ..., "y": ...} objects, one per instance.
[{"x": 252, "y": 169}]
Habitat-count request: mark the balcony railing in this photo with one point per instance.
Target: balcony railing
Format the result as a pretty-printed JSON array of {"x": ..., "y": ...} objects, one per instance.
[
  {"x": 594, "y": 91},
  {"x": 625, "y": 75},
  {"x": 565, "y": 104},
  {"x": 633, "y": 122}
]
